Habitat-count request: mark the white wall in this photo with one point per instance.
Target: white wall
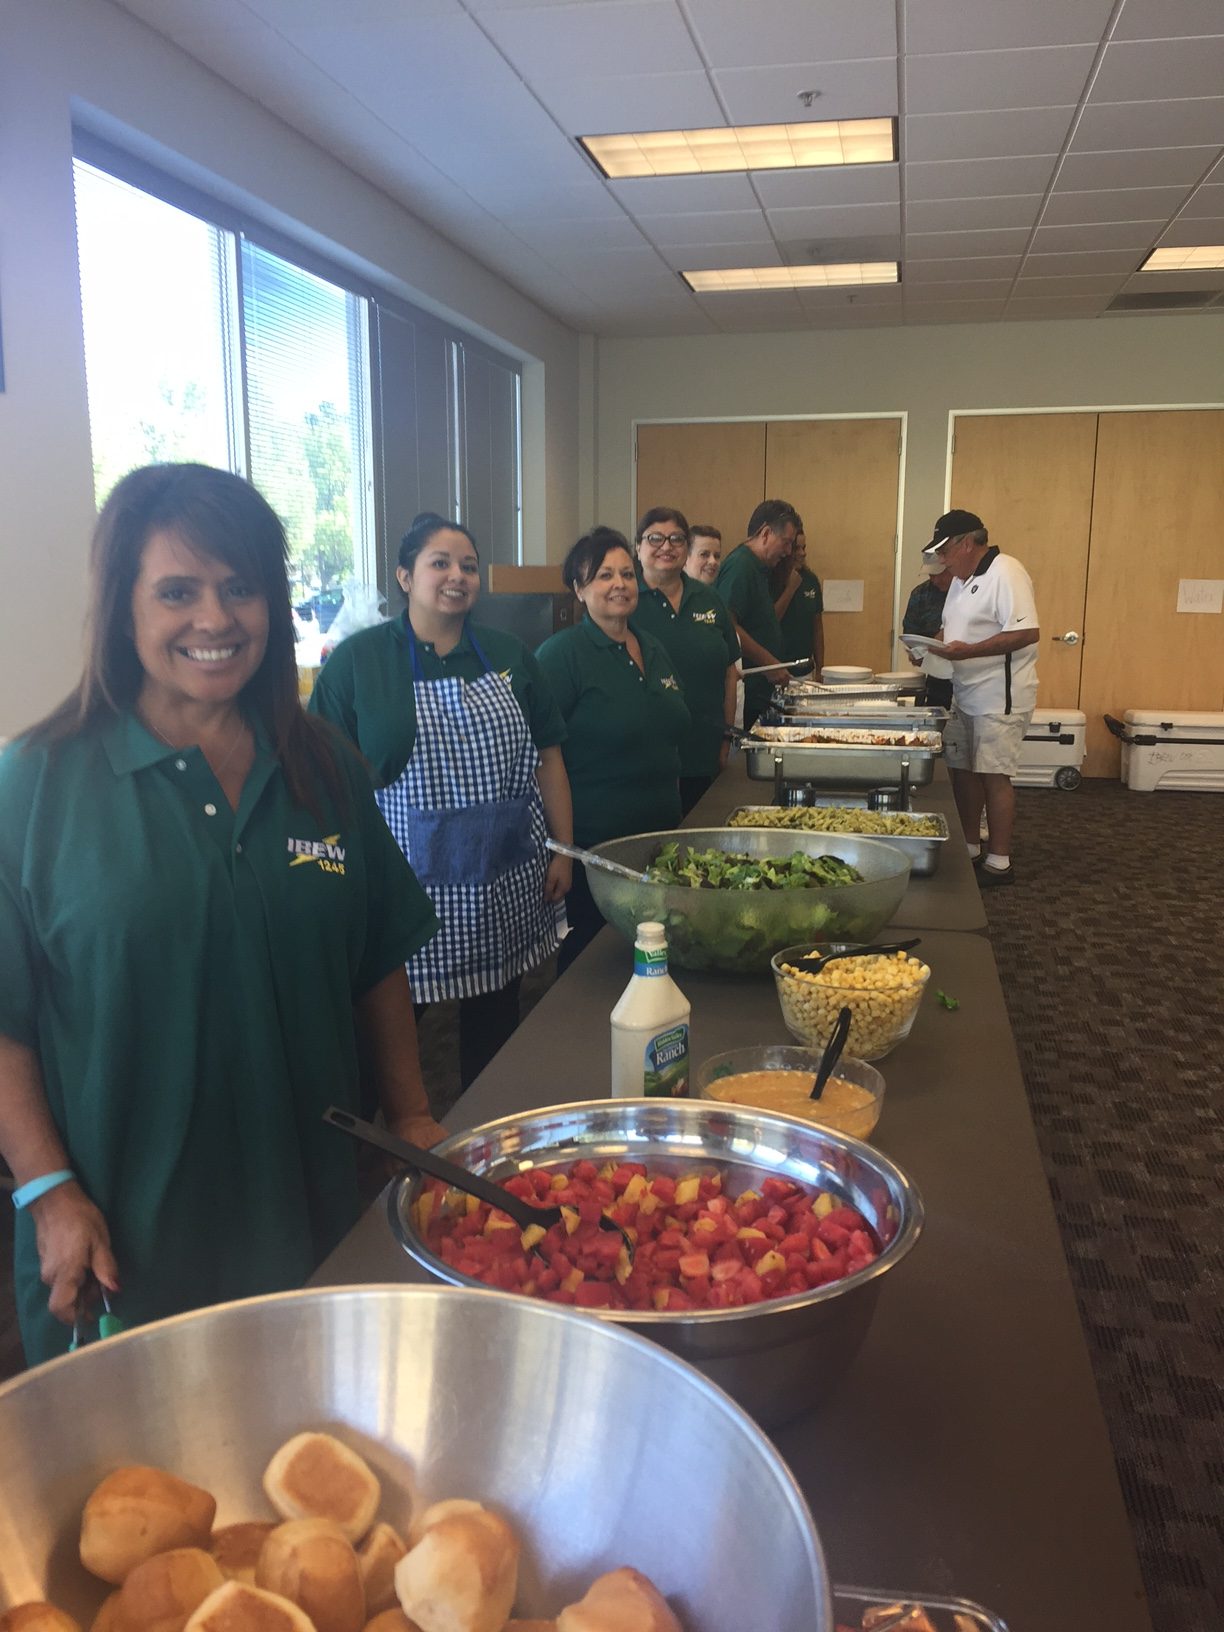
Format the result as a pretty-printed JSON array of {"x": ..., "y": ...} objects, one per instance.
[
  {"x": 89, "y": 58},
  {"x": 925, "y": 371}
]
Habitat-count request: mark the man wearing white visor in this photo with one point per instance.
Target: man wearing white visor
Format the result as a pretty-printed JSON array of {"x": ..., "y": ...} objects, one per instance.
[{"x": 990, "y": 634}]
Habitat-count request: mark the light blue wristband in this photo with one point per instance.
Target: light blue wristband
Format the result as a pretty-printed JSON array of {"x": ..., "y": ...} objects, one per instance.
[{"x": 39, "y": 1187}]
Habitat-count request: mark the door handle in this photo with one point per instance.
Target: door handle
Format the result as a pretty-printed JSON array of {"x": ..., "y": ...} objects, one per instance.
[{"x": 1071, "y": 638}]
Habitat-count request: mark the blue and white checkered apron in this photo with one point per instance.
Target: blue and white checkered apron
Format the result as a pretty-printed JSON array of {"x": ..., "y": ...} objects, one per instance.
[{"x": 468, "y": 815}]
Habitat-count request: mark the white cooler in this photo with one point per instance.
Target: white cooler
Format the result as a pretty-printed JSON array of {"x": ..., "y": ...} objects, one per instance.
[
  {"x": 1162, "y": 748},
  {"x": 1053, "y": 749}
]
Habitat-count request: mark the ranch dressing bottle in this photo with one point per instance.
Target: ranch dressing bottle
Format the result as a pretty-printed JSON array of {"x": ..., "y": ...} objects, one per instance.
[{"x": 650, "y": 1026}]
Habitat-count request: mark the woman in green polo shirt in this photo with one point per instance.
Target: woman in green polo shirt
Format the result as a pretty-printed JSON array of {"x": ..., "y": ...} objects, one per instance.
[
  {"x": 693, "y": 625},
  {"x": 624, "y": 709},
  {"x": 799, "y": 604},
  {"x": 464, "y": 738},
  {"x": 203, "y": 929}
]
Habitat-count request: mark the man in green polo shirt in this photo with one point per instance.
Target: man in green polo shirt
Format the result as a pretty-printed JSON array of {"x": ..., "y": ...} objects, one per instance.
[{"x": 743, "y": 583}]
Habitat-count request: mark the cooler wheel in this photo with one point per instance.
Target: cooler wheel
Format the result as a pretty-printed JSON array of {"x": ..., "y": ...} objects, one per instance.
[{"x": 1067, "y": 778}]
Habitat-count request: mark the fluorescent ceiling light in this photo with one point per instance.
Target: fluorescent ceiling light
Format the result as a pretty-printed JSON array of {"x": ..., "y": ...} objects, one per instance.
[
  {"x": 838, "y": 275},
  {"x": 744, "y": 147},
  {"x": 1184, "y": 260}
]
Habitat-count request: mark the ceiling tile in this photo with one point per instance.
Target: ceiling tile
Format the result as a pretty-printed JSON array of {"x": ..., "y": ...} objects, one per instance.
[
  {"x": 1167, "y": 19},
  {"x": 951, "y": 215},
  {"x": 712, "y": 257},
  {"x": 588, "y": 202},
  {"x": 977, "y": 178},
  {"x": 1120, "y": 204},
  {"x": 684, "y": 195},
  {"x": 881, "y": 294},
  {"x": 1136, "y": 167},
  {"x": 835, "y": 220},
  {"x": 1089, "y": 284},
  {"x": 609, "y": 104},
  {"x": 1005, "y": 133},
  {"x": 621, "y": 36},
  {"x": 1105, "y": 127},
  {"x": 971, "y": 311},
  {"x": 951, "y": 25},
  {"x": 881, "y": 246},
  {"x": 1205, "y": 202},
  {"x": 992, "y": 267},
  {"x": 549, "y": 237},
  {"x": 1121, "y": 261},
  {"x": 1137, "y": 235},
  {"x": 981, "y": 81},
  {"x": 940, "y": 246},
  {"x": 926, "y": 294},
  {"x": 1069, "y": 306},
  {"x": 1132, "y": 72},
  {"x": 734, "y": 35},
  {"x": 727, "y": 227},
  {"x": 863, "y": 89},
  {"x": 1187, "y": 282},
  {"x": 768, "y": 307},
  {"x": 832, "y": 184},
  {"x": 1188, "y": 230}
]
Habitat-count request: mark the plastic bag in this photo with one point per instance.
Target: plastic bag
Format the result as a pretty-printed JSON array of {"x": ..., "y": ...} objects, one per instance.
[{"x": 361, "y": 608}]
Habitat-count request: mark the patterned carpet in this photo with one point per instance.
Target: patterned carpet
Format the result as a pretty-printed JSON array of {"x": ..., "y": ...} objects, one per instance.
[
  {"x": 1108, "y": 949},
  {"x": 1107, "y": 945}
]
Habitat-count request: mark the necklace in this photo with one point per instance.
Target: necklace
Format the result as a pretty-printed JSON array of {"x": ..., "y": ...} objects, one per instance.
[{"x": 226, "y": 757}]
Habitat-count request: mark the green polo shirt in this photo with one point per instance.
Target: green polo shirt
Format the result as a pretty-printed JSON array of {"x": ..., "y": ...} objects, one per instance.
[
  {"x": 807, "y": 603},
  {"x": 185, "y": 974},
  {"x": 366, "y": 688},
  {"x": 701, "y": 641},
  {"x": 625, "y": 730},
  {"x": 743, "y": 583}
]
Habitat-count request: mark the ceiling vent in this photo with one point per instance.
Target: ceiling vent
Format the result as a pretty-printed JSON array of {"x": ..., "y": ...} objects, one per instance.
[{"x": 1156, "y": 300}]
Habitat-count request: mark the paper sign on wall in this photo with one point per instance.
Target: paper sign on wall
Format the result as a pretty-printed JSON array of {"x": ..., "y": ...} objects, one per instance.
[
  {"x": 1200, "y": 595},
  {"x": 843, "y": 594}
]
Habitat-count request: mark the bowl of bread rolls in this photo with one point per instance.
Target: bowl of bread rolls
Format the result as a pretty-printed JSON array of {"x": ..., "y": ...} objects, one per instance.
[{"x": 393, "y": 1459}]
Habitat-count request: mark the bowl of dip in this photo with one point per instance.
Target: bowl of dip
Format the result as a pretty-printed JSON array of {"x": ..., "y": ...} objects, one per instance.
[{"x": 775, "y": 1077}]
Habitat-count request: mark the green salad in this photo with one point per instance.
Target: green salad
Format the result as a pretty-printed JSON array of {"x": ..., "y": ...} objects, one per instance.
[{"x": 724, "y": 870}]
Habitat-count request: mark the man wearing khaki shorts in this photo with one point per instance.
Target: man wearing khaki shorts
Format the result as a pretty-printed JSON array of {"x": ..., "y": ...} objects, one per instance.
[{"x": 990, "y": 635}]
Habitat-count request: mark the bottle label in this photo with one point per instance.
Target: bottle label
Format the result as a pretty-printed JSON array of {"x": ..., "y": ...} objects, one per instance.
[
  {"x": 666, "y": 1073},
  {"x": 649, "y": 963}
]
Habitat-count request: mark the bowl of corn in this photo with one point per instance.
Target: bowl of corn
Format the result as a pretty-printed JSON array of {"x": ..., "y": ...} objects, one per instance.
[{"x": 881, "y": 991}]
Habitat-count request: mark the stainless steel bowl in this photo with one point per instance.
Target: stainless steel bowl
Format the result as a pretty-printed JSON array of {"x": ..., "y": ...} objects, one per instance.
[
  {"x": 775, "y": 1358},
  {"x": 602, "y": 1449},
  {"x": 738, "y": 931}
]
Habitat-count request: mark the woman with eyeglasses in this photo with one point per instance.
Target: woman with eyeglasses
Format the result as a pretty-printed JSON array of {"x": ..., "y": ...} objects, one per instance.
[
  {"x": 625, "y": 713},
  {"x": 693, "y": 625}
]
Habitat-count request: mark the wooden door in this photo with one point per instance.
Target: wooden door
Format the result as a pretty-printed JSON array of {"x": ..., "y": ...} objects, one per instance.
[
  {"x": 1030, "y": 478},
  {"x": 841, "y": 475},
  {"x": 710, "y": 473},
  {"x": 1158, "y": 516}
]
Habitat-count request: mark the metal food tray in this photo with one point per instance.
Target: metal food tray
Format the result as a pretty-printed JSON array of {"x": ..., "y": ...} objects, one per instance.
[
  {"x": 856, "y": 717},
  {"x": 923, "y": 849},
  {"x": 836, "y": 765},
  {"x": 793, "y": 735},
  {"x": 865, "y": 690},
  {"x": 946, "y": 1614}
]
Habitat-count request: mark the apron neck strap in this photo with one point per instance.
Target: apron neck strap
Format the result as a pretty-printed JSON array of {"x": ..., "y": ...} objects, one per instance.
[{"x": 417, "y": 676}]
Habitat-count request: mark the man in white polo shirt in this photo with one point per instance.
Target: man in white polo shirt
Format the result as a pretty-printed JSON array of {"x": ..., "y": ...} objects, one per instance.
[{"x": 990, "y": 635}]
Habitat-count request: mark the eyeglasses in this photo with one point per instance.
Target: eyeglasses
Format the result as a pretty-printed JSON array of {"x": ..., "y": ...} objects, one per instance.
[{"x": 655, "y": 539}]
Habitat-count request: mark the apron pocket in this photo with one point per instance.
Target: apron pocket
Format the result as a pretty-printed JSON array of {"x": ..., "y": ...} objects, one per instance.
[{"x": 471, "y": 845}]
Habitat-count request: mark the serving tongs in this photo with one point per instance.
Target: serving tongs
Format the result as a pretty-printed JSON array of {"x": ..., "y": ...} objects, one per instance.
[
  {"x": 813, "y": 964},
  {"x": 524, "y": 1213},
  {"x": 84, "y": 1315}
]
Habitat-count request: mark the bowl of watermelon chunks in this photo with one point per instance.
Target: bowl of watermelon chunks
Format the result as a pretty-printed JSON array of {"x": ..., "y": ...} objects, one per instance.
[{"x": 760, "y": 1243}]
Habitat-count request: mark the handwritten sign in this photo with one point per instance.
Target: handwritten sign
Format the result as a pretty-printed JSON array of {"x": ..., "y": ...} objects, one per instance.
[
  {"x": 843, "y": 594},
  {"x": 1200, "y": 595}
]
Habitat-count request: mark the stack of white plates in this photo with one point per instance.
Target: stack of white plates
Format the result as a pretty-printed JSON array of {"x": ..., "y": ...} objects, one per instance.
[
  {"x": 899, "y": 677},
  {"x": 844, "y": 674}
]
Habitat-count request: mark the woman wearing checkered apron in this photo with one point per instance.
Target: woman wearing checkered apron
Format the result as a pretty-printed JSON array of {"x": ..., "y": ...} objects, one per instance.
[{"x": 465, "y": 737}]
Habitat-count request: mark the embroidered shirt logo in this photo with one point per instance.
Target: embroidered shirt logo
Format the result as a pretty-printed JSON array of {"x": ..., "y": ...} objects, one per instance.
[
  {"x": 328, "y": 853},
  {"x": 670, "y": 683},
  {"x": 809, "y": 594},
  {"x": 708, "y": 616}
]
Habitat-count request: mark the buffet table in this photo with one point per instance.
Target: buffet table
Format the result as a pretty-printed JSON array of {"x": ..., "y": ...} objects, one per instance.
[{"x": 965, "y": 1452}]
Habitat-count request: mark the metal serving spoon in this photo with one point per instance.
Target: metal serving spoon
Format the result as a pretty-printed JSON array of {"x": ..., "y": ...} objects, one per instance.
[
  {"x": 813, "y": 964},
  {"x": 524, "y": 1213},
  {"x": 588, "y": 858},
  {"x": 832, "y": 1053}
]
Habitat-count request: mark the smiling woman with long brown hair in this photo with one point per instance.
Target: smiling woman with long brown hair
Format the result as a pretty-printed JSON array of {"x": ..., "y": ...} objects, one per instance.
[{"x": 203, "y": 926}]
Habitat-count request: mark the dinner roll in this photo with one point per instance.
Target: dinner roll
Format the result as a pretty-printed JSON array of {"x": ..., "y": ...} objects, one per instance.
[
  {"x": 106, "y": 1620},
  {"x": 622, "y": 1601},
  {"x": 440, "y": 1510},
  {"x": 37, "y": 1617},
  {"x": 462, "y": 1575},
  {"x": 136, "y": 1512},
  {"x": 377, "y": 1557},
  {"x": 236, "y": 1607},
  {"x": 312, "y": 1563},
  {"x": 315, "y": 1476},
  {"x": 160, "y": 1594},
  {"x": 236, "y": 1548}
]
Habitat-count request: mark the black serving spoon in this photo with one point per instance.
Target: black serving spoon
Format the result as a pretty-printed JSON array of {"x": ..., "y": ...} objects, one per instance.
[
  {"x": 524, "y": 1213},
  {"x": 832, "y": 1053},
  {"x": 813, "y": 964}
]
